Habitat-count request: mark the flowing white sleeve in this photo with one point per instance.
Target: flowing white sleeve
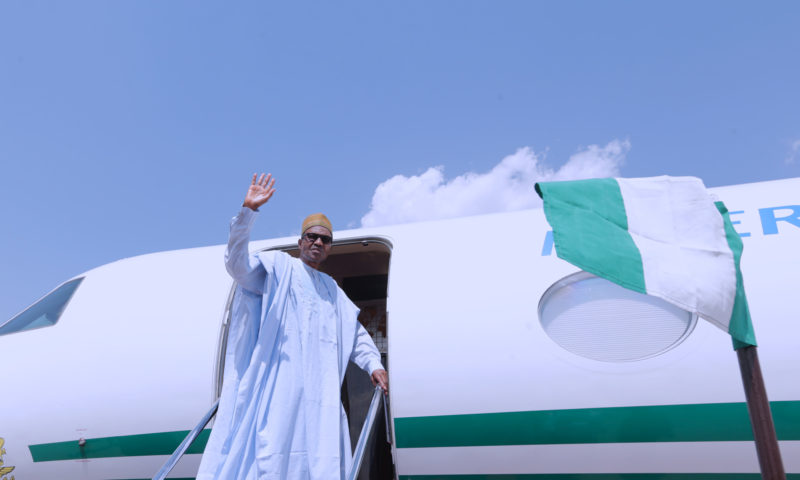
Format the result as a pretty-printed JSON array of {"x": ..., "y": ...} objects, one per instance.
[
  {"x": 365, "y": 353},
  {"x": 246, "y": 269}
]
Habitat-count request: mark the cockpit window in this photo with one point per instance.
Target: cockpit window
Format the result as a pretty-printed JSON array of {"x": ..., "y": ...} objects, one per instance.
[{"x": 43, "y": 313}]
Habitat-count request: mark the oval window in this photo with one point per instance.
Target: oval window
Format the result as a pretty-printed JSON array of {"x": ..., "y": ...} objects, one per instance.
[{"x": 597, "y": 319}]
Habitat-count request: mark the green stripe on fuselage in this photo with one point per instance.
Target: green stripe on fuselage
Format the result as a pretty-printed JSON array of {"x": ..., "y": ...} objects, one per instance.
[
  {"x": 716, "y": 422},
  {"x": 661, "y": 423},
  {"x": 163, "y": 443}
]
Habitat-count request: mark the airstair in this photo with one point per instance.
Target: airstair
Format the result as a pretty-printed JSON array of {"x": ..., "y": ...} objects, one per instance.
[{"x": 358, "y": 457}]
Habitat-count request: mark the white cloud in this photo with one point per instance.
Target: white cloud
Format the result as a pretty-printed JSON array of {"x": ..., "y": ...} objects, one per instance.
[
  {"x": 794, "y": 153},
  {"x": 508, "y": 186}
]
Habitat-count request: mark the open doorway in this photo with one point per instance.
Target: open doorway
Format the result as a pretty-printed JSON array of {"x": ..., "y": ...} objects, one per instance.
[{"x": 361, "y": 268}]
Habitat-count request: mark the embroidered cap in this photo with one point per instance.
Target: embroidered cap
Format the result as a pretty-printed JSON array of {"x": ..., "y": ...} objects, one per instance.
[{"x": 317, "y": 220}]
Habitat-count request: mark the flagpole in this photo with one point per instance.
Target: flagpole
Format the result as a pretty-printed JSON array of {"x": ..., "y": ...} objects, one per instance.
[{"x": 769, "y": 454}]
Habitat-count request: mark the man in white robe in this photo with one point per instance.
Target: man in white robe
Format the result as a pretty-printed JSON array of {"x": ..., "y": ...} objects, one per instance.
[{"x": 292, "y": 333}]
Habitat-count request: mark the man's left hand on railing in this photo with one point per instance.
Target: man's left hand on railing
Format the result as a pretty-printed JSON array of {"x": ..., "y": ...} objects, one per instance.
[{"x": 379, "y": 377}]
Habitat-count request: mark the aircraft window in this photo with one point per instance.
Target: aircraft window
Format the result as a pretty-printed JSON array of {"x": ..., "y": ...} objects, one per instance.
[
  {"x": 43, "y": 313},
  {"x": 597, "y": 319}
]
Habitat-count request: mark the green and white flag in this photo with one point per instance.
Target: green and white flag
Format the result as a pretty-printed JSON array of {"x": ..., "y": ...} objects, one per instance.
[{"x": 661, "y": 236}]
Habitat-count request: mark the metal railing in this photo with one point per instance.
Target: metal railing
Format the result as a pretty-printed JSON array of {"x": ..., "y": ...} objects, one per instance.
[
  {"x": 186, "y": 443},
  {"x": 366, "y": 430},
  {"x": 358, "y": 457}
]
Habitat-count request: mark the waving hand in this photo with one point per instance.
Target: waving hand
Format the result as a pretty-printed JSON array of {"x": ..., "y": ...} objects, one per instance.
[{"x": 260, "y": 191}]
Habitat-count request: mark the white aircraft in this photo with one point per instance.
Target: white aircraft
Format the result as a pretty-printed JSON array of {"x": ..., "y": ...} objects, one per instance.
[{"x": 505, "y": 362}]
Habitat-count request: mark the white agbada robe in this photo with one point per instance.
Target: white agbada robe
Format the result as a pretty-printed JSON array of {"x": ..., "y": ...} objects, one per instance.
[{"x": 292, "y": 332}]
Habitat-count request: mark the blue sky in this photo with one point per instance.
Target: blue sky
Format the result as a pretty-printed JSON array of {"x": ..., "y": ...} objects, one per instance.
[{"x": 130, "y": 127}]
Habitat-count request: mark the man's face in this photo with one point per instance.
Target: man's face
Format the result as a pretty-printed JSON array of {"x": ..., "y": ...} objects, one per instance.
[{"x": 314, "y": 251}]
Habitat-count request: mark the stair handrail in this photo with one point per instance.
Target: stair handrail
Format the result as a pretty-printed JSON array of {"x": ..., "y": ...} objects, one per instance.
[
  {"x": 366, "y": 430},
  {"x": 358, "y": 457},
  {"x": 186, "y": 443}
]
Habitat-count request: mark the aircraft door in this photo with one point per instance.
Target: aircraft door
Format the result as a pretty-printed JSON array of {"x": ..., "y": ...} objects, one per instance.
[{"x": 361, "y": 268}]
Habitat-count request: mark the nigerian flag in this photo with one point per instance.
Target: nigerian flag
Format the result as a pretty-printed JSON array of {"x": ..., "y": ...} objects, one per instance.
[{"x": 661, "y": 236}]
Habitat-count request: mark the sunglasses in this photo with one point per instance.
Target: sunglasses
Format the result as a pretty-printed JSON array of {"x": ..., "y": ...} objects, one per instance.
[{"x": 312, "y": 238}]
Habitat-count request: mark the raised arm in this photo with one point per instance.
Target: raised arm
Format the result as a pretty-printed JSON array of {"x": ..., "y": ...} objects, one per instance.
[{"x": 244, "y": 268}]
